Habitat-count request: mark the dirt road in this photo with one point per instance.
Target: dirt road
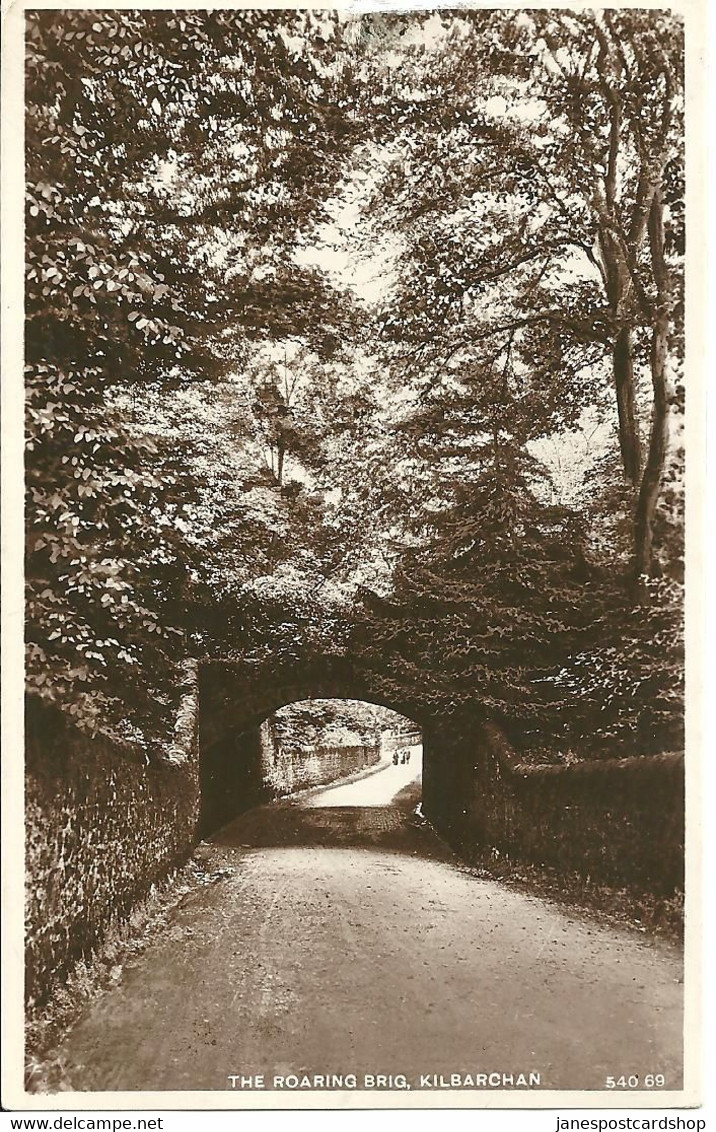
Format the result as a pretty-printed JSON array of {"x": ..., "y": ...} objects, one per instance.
[{"x": 345, "y": 939}]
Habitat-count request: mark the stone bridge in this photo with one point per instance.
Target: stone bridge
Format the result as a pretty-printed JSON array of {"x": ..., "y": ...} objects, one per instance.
[
  {"x": 234, "y": 701},
  {"x": 621, "y": 819},
  {"x": 101, "y": 829}
]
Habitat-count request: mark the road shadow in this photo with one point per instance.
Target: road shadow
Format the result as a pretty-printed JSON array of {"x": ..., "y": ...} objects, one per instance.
[{"x": 292, "y": 824}]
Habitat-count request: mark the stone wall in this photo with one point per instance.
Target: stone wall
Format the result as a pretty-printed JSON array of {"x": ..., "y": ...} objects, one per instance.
[
  {"x": 101, "y": 829},
  {"x": 285, "y": 772},
  {"x": 620, "y": 821}
]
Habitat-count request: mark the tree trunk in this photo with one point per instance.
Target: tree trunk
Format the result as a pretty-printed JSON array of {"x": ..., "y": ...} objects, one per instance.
[
  {"x": 650, "y": 487},
  {"x": 658, "y": 441},
  {"x": 629, "y": 440},
  {"x": 618, "y": 286}
]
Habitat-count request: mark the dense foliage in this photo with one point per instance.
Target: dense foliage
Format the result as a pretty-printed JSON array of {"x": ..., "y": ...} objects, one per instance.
[
  {"x": 310, "y": 724},
  {"x": 470, "y": 470},
  {"x": 168, "y": 178}
]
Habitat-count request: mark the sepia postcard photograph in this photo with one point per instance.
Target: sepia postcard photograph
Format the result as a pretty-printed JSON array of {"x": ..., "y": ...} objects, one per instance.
[{"x": 352, "y": 374}]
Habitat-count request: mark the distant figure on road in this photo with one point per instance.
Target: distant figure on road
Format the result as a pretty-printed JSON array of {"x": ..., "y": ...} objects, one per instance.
[
  {"x": 395, "y": 758},
  {"x": 403, "y": 757},
  {"x": 407, "y": 755}
]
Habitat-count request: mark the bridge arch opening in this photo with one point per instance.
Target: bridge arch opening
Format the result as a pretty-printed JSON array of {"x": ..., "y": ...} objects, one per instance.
[{"x": 298, "y": 739}]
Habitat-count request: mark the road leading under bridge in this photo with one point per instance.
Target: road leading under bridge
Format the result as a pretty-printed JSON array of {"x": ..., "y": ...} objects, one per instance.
[{"x": 344, "y": 938}]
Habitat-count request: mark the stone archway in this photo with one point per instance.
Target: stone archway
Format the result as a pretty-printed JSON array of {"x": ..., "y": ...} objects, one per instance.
[{"x": 235, "y": 701}]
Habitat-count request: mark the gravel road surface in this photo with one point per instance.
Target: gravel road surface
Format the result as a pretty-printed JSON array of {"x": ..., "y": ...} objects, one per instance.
[{"x": 342, "y": 937}]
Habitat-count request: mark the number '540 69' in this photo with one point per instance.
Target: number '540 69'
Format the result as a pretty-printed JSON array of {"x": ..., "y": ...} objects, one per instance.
[{"x": 651, "y": 1081}]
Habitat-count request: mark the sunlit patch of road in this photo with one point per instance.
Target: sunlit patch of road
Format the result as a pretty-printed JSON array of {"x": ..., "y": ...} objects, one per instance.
[{"x": 377, "y": 789}]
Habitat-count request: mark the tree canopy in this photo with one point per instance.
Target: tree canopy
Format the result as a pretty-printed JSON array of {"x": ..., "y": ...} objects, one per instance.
[{"x": 236, "y": 447}]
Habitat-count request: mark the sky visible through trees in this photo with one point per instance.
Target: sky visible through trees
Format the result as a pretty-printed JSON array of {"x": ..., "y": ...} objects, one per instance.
[{"x": 358, "y": 334}]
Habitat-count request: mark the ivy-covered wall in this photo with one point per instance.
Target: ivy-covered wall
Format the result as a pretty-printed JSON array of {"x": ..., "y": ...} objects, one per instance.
[
  {"x": 620, "y": 821},
  {"x": 101, "y": 829}
]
